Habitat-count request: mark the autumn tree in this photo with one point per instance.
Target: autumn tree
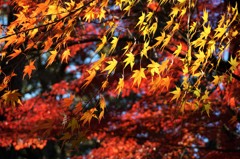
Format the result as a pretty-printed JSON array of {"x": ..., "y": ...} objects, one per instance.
[{"x": 134, "y": 78}]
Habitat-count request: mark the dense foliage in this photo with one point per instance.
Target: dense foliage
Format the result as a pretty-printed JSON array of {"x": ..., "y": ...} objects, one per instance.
[{"x": 128, "y": 78}]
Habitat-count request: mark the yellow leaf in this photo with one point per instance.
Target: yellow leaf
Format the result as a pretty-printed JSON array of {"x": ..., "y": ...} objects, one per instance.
[
  {"x": 192, "y": 27},
  {"x": 164, "y": 65},
  {"x": 51, "y": 57},
  {"x": 32, "y": 33},
  {"x": 176, "y": 27},
  {"x": 65, "y": 55},
  {"x": 217, "y": 79},
  {"x": 166, "y": 41},
  {"x": 178, "y": 50},
  {"x": 205, "y": 17},
  {"x": 169, "y": 24},
  {"x": 153, "y": 28},
  {"x": 145, "y": 49},
  {"x": 11, "y": 97},
  {"x": 154, "y": 68},
  {"x": 138, "y": 76},
  {"x": 120, "y": 85},
  {"x": 127, "y": 47},
  {"x": 28, "y": 69},
  {"x": 220, "y": 31},
  {"x": 176, "y": 93},
  {"x": 174, "y": 12},
  {"x": 233, "y": 63},
  {"x": 89, "y": 15},
  {"x": 101, "y": 45},
  {"x": 141, "y": 20},
  {"x": 159, "y": 39},
  {"x": 197, "y": 92},
  {"x": 183, "y": 12},
  {"x": 92, "y": 74},
  {"x": 129, "y": 60},
  {"x": 149, "y": 16},
  {"x": 87, "y": 116},
  {"x": 205, "y": 96},
  {"x": 111, "y": 66},
  {"x": 114, "y": 44},
  {"x": 207, "y": 108},
  {"x": 206, "y": 31},
  {"x": 181, "y": 1}
]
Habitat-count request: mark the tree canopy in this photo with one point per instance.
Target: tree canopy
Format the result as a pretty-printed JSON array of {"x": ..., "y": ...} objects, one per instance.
[{"x": 141, "y": 78}]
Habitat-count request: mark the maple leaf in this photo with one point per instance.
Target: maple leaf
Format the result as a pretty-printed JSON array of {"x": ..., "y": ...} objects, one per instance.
[
  {"x": 164, "y": 65},
  {"x": 120, "y": 85},
  {"x": 88, "y": 115},
  {"x": 154, "y": 68},
  {"x": 129, "y": 60},
  {"x": 11, "y": 97},
  {"x": 104, "y": 84},
  {"x": 217, "y": 80},
  {"x": 47, "y": 44},
  {"x": 197, "y": 92},
  {"x": 66, "y": 136},
  {"x": 28, "y": 69},
  {"x": 207, "y": 108},
  {"x": 178, "y": 50},
  {"x": 73, "y": 125},
  {"x": 205, "y": 96},
  {"x": 15, "y": 54},
  {"x": 233, "y": 63},
  {"x": 114, "y": 44},
  {"x": 159, "y": 39},
  {"x": 51, "y": 57},
  {"x": 138, "y": 75},
  {"x": 68, "y": 101},
  {"x": 145, "y": 49},
  {"x": 192, "y": 27},
  {"x": 166, "y": 82},
  {"x": 78, "y": 108},
  {"x": 101, "y": 45},
  {"x": 111, "y": 66},
  {"x": 96, "y": 65},
  {"x": 205, "y": 17},
  {"x": 102, "y": 106},
  {"x": 32, "y": 33},
  {"x": 166, "y": 41},
  {"x": 174, "y": 12},
  {"x": 153, "y": 28},
  {"x": 65, "y": 55},
  {"x": 92, "y": 74},
  {"x": 177, "y": 93}
]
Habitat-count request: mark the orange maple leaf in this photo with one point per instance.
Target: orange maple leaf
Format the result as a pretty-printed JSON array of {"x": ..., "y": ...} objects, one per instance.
[
  {"x": 68, "y": 101},
  {"x": 11, "y": 97},
  {"x": 15, "y": 54},
  {"x": 47, "y": 44},
  {"x": 28, "y": 69},
  {"x": 87, "y": 116},
  {"x": 92, "y": 74},
  {"x": 65, "y": 55},
  {"x": 51, "y": 57}
]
